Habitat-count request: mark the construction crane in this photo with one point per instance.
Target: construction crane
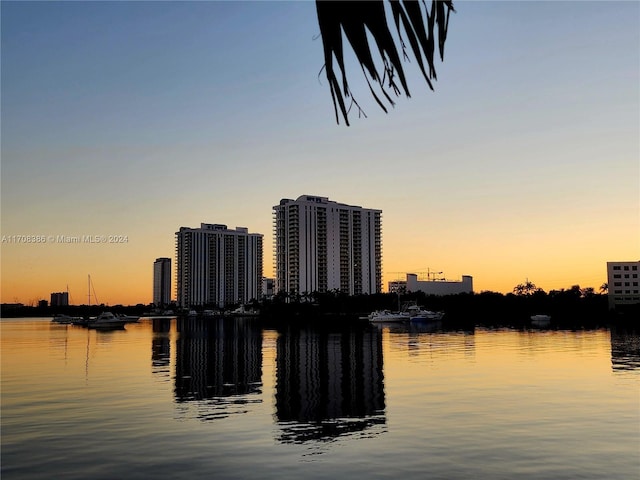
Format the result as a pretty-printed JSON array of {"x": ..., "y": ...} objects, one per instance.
[{"x": 431, "y": 276}]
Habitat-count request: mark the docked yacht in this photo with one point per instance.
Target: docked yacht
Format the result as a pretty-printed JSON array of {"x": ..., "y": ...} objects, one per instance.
[
  {"x": 62, "y": 318},
  {"x": 419, "y": 315},
  {"x": 106, "y": 320},
  {"x": 386, "y": 316}
]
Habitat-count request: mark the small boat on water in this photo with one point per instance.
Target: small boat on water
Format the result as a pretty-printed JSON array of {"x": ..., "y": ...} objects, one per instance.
[
  {"x": 106, "y": 320},
  {"x": 425, "y": 316},
  {"x": 64, "y": 319},
  {"x": 128, "y": 318},
  {"x": 408, "y": 313},
  {"x": 243, "y": 311},
  {"x": 540, "y": 320},
  {"x": 386, "y": 316},
  {"x": 81, "y": 322}
]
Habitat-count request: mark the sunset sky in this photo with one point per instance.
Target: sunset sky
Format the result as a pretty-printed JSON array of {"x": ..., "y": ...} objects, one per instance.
[{"x": 136, "y": 118}]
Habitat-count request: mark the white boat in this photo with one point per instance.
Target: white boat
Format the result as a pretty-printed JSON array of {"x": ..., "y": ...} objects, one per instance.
[
  {"x": 106, "y": 320},
  {"x": 128, "y": 318},
  {"x": 540, "y": 320},
  {"x": 426, "y": 316},
  {"x": 242, "y": 311},
  {"x": 417, "y": 314},
  {"x": 386, "y": 316},
  {"x": 81, "y": 321}
]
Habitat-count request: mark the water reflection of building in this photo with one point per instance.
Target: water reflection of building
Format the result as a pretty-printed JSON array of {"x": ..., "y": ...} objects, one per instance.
[
  {"x": 161, "y": 347},
  {"x": 328, "y": 384},
  {"x": 218, "y": 364},
  {"x": 625, "y": 349},
  {"x": 430, "y": 339}
]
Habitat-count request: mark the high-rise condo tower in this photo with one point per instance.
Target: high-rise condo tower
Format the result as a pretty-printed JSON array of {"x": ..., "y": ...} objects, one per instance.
[
  {"x": 322, "y": 245},
  {"x": 218, "y": 266}
]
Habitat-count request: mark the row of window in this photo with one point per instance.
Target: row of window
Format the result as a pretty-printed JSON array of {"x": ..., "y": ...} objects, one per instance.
[
  {"x": 626, "y": 275},
  {"x": 625, "y": 267},
  {"x": 627, "y": 292},
  {"x": 626, "y": 284}
]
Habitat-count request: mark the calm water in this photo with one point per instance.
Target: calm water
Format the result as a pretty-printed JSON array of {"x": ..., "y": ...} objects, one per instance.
[{"x": 225, "y": 399}]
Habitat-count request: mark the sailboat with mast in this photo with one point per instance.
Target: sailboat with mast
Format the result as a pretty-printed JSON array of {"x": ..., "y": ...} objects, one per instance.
[
  {"x": 106, "y": 320},
  {"x": 63, "y": 318},
  {"x": 85, "y": 321}
]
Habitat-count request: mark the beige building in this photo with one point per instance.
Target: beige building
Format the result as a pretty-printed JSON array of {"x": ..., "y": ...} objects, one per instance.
[
  {"x": 432, "y": 287},
  {"x": 218, "y": 266},
  {"x": 622, "y": 279},
  {"x": 322, "y": 245}
]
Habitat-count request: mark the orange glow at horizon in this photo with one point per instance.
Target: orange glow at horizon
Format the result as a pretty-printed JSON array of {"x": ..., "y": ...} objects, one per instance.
[
  {"x": 123, "y": 274},
  {"x": 502, "y": 174}
]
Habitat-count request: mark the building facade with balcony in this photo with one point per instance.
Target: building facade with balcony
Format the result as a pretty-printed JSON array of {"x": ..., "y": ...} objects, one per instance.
[
  {"x": 218, "y": 266},
  {"x": 622, "y": 281},
  {"x": 321, "y": 245}
]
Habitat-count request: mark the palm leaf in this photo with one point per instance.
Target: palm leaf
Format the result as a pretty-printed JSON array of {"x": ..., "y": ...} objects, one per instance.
[{"x": 354, "y": 19}]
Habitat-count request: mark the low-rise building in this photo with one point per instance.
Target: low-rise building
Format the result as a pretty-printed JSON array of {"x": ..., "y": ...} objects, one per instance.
[
  {"x": 398, "y": 286},
  {"x": 439, "y": 287},
  {"x": 622, "y": 280}
]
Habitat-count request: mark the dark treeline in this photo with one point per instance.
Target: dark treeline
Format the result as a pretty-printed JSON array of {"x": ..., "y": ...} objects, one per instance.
[{"x": 572, "y": 308}]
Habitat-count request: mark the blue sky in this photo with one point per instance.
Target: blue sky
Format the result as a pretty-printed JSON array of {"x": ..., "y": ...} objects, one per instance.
[{"x": 137, "y": 118}]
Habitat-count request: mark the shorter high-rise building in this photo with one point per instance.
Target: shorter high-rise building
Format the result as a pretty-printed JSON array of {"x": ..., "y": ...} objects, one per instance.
[
  {"x": 622, "y": 281},
  {"x": 162, "y": 282},
  {"x": 59, "y": 299},
  {"x": 218, "y": 266}
]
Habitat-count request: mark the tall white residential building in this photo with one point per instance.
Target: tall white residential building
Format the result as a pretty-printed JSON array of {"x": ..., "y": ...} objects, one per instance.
[
  {"x": 218, "y": 266},
  {"x": 622, "y": 280},
  {"x": 162, "y": 281},
  {"x": 321, "y": 245}
]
